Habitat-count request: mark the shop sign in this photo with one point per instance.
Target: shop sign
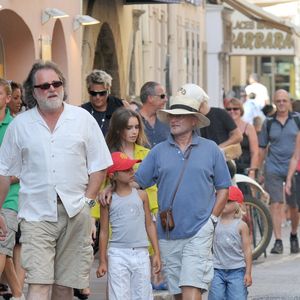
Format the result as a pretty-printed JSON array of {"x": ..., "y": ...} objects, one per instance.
[{"x": 254, "y": 38}]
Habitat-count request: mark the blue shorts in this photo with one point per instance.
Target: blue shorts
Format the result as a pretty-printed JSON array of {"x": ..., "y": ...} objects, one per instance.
[{"x": 228, "y": 284}]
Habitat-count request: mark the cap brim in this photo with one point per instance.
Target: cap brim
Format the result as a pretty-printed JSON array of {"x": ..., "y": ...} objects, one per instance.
[{"x": 202, "y": 120}]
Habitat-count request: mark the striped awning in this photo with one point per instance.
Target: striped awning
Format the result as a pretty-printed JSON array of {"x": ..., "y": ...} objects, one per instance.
[{"x": 257, "y": 14}]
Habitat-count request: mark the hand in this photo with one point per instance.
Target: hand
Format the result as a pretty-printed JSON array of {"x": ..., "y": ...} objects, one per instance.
[
  {"x": 247, "y": 280},
  {"x": 288, "y": 186},
  {"x": 102, "y": 270},
  {"x": 156, "y": 263},
  {"x": 3, "y": 229},
  {"x": 104, "y": 197}
]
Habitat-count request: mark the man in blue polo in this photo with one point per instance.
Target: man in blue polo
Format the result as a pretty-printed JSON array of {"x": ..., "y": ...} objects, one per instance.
[
  {"x": 196, "y": 199},
  {"x": 277, "y": 138}
]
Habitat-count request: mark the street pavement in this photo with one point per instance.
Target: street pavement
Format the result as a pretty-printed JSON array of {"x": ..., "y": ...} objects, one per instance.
[{"x": 275, "y": 277}]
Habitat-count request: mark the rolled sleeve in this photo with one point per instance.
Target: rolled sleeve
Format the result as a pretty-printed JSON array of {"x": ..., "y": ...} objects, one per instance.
[
  {"x": 222, "y": 179},
  {"x": 98, "y": 155}
]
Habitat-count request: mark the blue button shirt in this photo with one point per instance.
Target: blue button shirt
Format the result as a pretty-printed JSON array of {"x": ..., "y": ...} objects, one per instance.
[{"x": 206, "y": 172}]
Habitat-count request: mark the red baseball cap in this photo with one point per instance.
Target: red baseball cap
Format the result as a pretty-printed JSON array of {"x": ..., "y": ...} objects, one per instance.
[
  {"x": 235, "y": 194},
  {"x": 121, "y": 162}
]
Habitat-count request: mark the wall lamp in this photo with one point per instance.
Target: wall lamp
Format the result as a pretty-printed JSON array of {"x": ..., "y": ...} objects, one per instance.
[
  {"x": 84, "y": 20},
  {"x": 54, "y": 13}
]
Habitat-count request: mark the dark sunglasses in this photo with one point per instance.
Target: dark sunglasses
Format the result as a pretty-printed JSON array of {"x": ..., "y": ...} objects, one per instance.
[
  {"x": 162, "y": 96},
  {"x": 100, "y": 93},
  {"x": 232, "y": 108},
  {"x": 46, "y": 85}
]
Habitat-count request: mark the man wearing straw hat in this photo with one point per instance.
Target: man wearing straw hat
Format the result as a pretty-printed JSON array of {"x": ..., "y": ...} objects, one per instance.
[{"x": 193, "y": 180}]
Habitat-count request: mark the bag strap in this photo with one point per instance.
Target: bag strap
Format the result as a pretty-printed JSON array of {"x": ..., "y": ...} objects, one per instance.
[{"x": 186, "y": 156}]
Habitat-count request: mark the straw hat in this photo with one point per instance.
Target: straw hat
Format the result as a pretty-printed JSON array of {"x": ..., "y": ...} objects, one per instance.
[{"x": 182, "y": 105}]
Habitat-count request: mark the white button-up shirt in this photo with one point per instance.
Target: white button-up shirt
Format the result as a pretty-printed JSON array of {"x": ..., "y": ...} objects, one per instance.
[{"x": 50, "y": 163}]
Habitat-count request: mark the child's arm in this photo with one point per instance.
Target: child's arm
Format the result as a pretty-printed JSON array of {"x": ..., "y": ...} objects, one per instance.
[
  {"x": 244, "y": 231},
  {"x": 103, "y": 240},
  {"x": 151, "y": 231}
]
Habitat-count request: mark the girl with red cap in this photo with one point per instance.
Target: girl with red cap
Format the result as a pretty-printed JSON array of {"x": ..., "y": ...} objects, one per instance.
[
  {"x": 232, "y": 252},
  {"x": 126, "y": 261}
]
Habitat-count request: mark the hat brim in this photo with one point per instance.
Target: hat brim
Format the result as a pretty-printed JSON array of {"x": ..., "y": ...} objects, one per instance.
[
  {"x": 202, "y": 120},
  {"x": 125, "y": 166}
]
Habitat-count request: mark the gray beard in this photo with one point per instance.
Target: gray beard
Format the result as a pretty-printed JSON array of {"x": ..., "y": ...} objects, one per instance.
[{"x": 50, "y": 105}]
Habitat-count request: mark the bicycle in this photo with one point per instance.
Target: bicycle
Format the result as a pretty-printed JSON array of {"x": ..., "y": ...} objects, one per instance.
[{"x": 257, "y": 214}]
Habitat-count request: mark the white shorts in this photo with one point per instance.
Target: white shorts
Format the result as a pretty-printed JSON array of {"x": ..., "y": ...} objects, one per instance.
[
  {"x": 129, "y": 274},
  {"x": 188, "y": 262}
]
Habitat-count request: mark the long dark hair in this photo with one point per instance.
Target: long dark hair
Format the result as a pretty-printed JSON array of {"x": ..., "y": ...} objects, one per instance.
[{"x": 118, "y": 123}]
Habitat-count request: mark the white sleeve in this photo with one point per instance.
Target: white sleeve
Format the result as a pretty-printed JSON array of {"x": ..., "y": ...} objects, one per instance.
[{"x": 98, "y": 155}]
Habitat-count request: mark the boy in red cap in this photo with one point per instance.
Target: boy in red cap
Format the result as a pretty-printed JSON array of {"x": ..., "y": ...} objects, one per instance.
[
  {"x": 232, "y": 252},
  {"x": 126, "y": 261}
]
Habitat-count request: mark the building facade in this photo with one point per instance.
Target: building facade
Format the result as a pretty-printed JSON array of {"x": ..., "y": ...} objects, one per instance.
[
  {"x": 26, "y": 35},
  {"x": 146, "y": 42}
]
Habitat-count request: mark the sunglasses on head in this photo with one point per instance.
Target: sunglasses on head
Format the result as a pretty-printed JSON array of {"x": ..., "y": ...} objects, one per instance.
[
  {"x": 47, "y": 85},
  {"x": 232, "y": 108},
  {"x": 162, "y": 96},
  {"x": 100, "y": 93}
]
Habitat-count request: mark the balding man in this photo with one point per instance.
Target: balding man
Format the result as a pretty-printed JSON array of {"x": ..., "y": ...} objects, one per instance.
[{"x": 278, "y": 138}]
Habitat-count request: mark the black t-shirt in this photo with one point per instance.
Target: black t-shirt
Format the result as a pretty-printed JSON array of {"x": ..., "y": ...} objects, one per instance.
[
  {"x": 103, "y": 117},
  {"x": 221, "y": 124}
]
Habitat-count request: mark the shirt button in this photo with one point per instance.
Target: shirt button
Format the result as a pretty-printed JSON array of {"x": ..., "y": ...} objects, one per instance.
[
  {"x": 53, "y": 171},
  {"x": 52, "y": 155}
]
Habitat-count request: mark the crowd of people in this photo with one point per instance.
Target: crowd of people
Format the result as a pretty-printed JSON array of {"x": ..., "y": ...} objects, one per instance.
[{"x": 146, "y": 184}]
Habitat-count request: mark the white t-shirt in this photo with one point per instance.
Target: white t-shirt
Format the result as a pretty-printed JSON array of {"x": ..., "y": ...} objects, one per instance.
[
  {"x": 50, "y": 163},
  {"x": 260, "y": 91}
]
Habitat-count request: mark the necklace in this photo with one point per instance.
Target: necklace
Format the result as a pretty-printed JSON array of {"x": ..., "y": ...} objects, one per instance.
[{"x": 100, "y": 117}]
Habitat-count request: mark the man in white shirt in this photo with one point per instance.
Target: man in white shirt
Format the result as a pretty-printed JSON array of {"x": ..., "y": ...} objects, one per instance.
[{"x": 59, "y": 153}]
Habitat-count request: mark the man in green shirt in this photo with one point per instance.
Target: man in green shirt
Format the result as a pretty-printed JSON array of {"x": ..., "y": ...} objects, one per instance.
[{"x": 10, "y": 206}]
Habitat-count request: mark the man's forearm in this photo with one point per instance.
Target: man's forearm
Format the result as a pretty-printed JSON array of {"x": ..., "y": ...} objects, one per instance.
[
  {"x": 222, "y": 196},
  {"x": 95, "y": 181},
  {"x": 4, "y": 188}
]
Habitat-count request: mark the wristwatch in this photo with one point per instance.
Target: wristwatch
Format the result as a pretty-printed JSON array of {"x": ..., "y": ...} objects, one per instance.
[
  {"x": 214, "y": 219},
  {"x": 91, "y": 202}
]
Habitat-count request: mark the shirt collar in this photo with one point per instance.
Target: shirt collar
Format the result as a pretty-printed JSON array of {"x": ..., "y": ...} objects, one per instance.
[
  {"x": 7, "y": 119},
  {"x": 195, "y": 140}
]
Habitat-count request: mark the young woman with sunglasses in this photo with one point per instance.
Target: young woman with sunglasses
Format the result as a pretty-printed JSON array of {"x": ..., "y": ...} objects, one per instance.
[{"x": 248, "y": 161}]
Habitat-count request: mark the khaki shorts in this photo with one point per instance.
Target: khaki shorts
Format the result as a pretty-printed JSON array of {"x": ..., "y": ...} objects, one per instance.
[
  {"x": 58, "y": 252},
  {"x": 11, "y": 221},
  {"x": 188, "y": 262}
]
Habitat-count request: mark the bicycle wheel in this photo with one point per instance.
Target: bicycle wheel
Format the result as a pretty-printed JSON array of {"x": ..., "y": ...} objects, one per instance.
[{"x": 259, "y": 221}]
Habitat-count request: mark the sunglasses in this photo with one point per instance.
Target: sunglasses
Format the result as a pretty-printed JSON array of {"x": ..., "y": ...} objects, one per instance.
[
  {"x": 46, "y": 85},
  {"x": 162, "y": 96},
  {"x": 100, "y": 93},
  {"x": 232, "y": 108}
]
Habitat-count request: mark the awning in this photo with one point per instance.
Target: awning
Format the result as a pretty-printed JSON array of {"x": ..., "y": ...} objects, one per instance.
[
  {"x": 151, "y": 1},
  {"x": 257, "y": 14}
]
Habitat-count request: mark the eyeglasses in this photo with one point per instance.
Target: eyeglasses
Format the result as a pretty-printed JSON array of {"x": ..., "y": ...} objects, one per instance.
[
  {"x": 100, "y": 93},
  {"x": 162, "y": 96},
  {"x": 46, "y": 85},
  {"x": 232, "y": 108}
]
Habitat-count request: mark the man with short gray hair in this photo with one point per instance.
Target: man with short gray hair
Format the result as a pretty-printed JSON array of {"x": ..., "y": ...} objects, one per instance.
[{"x": 153, "y": 98}]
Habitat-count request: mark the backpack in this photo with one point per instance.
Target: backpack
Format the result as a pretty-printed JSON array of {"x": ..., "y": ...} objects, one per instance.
[{"x": 271, "y": 120}]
